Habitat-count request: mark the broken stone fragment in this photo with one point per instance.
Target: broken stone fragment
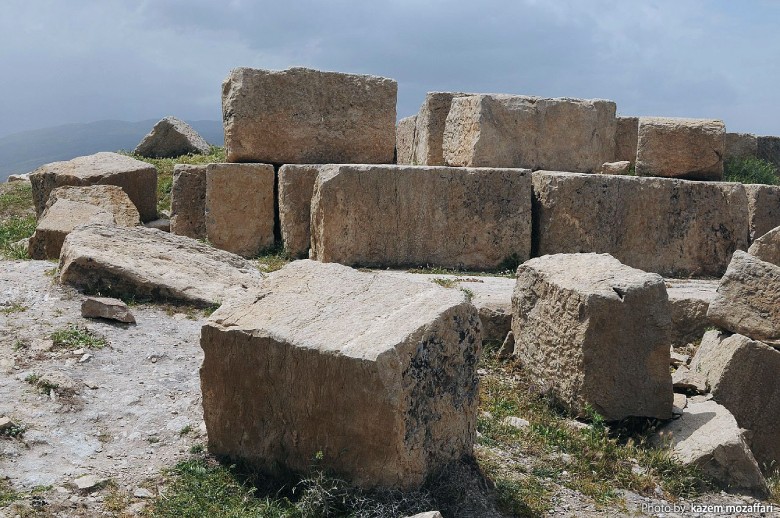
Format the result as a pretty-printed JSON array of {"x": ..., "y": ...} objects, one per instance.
[{"x": 104, "y": 307}]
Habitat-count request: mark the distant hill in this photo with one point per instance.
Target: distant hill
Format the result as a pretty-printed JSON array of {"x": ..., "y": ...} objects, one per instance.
[{"x": 23, "y": 152}]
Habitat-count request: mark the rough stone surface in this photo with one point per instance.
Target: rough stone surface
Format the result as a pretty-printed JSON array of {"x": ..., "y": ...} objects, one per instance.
[
  {"x": 376, "y": 373},
  {"x": 767, "y": 247},
  {"x": 19, "y": 177},
  {"x": 240, "y": 207},
  {"x": 673, "y": 227},
  {"x": 594, "y": 331},
  {"x": 305, "y": 116},
  {"x": 412, "y": 216},
  {"x": 686, "y": 380},
  {"x": 105, "y": 307},
  {"x": 741, "y": 145},
  {"x": 58, "y": 221},
  {"x": 109, "y": 197},
  {"x": 742, "y": 376},
  {"x": 170, "y": 138},
  {"x": 429, "y": 514},
  {"x": 707, "y": 435},
  {"x": 689, "y": 300},
  {"x": 138, "y": 179},
  {"x": 768, "y": 148},
  {"x": 296, "y": 186},
  {"x": 531, "y": 132},
  {"x": 763, "y": 207},
  {"x": 404, "y": 140},
  {"x": 148, "y": 263},
  {"x": 748, "y": 299},
  {"x": 188, "y": 201},
  {"x": 681, "y": 148},
  {"x": 626, "y": 135},
  {"x": 615, "y": 167},
  {"x": 429, "y": 131},
  {"x": 159, "y": 224}
]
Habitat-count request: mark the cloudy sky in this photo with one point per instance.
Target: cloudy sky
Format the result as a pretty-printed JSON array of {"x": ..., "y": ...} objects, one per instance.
[{"x": 87, "y": 60}]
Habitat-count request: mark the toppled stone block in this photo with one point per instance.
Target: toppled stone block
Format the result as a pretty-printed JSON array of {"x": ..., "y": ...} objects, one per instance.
[
  {"x": 428, "y": 148},
  {"x": 404, "y": 140},
  {"x": 741, "y": 145},
  {"x": 742, "y": 376},
  {"x": 170, "y": 138},
  {"x": 767, "y": 247},
  {"x": 109, "y": 197},
  {"x": 615, "y": 167},
  {"x": 188, "y": 201},
  {"x": 411, "y": 216},
  {"x": 673, "y": 227},
  {"x": 768, "y": 148},
  {"x": 595, "y": 332},
  {"x": 138, "y": 179},
  {"x": 296, "y": 186},
  {"x": 106, "y": 307},
  {"x": 748, "y": 299},
  {"x": 304, "y": 116},
  {"x": 374, "y": 373},
  {"x": 58, "y": 221},
  {"x": 689, "y": 300},
  {"x": 626, "y": 137},
  {"x": 147, "y": 263},
  {"x": 681, "y": 148},
  {"x": 530, "y": 132},
  {"x": 763, "y": 208},
  {"x": 240, "y": 207},
  {"x": 707, "y": 435}
]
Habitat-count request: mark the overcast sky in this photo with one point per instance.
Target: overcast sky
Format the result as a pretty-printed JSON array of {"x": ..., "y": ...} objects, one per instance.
[{"x": 82, "y": 61}]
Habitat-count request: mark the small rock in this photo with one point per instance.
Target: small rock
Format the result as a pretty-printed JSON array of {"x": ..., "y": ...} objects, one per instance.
[
  {"x": 42, "y": 345},
  {"x": 79, "y": 351},
  {"x": 429, "y": 514},
  {"x": 621, "y": 167},
  {"x": 5, "y": 423},
  {"x": 19, "y": 177},
  {"x": 88, "y": 482},
  {"x": 684, "y": 379},
  {"x": 160, "y": 224},
  {"x": 680, "y": 402},
  {"x": 85, "y": 358},
  {"x": 516, "y": 422},
  {"x": 677, "y": 359},
  {"x": 142, "y": 492},
  {"x": 103, "y": 307},
  {"x": 58, "y": 382}
]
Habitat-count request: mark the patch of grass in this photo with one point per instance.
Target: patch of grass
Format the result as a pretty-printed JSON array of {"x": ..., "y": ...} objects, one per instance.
[
  {"x": 16, "y": 200},
  {"x": 15, "y": 431},
  {"x": 773, "y": 481},
  {"x": 445, "y": 283},
  {"x": 32, "y": 379},
  {"x": 74, "y": 337},
  {"x": 750, "y": 170},
  {"x": 197, "y": 449},
  {"x": 185, "y": 430},
  {"x": 19, "y": 345},
  {"x": 116, "y": 500},
  {"x": 438, "y": 270},
  {"x": 165, "y": 171},
  {"x": 273, "y": 258},
  {"x": 12, "y": 230},
  {"x": 153, "y": 439},
  {"x": 469, "y": 293},
  {"x": 42, "y": 385},
  {"x": 12, "y": 308},
  {"x": 8, "y": 494}
]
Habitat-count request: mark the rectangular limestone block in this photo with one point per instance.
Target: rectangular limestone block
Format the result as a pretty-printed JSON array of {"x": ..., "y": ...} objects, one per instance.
[
  {"x": 138, "y": 179},
  {"x": 673, "y": 227},
  {"x": 741, "y": 145},
  {"x": 429, "y": 131},
  {"x": 681, "y": 148},
  {"x": 412, "y": 216},
  {"x": 374, "y": 374},
  {"x": 764, "y": 207},
  {"x": 240, "y": 207},
  {"x": 531, "y": 132},
  {"x": 296, "y": 186},
  {"x": 188, "y": 201},
  {"x": 58, "y": 221},
  {"x": 689, "y": 300},
  {"x": 404, "y": 140},
  {"x": 595, "y": 332},
  {"x": 626, "y": 135},
  {"x": 304, "y": 116},
  {"x": 768, "y": 148},
  {"x": 742, "y": 376}
]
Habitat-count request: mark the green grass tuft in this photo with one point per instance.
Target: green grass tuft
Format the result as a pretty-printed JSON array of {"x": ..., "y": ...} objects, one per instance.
[
  {"x": 750, "y": 170},
  {"x": 74, "y": 337},
  {"x": 273, "y": 258}
]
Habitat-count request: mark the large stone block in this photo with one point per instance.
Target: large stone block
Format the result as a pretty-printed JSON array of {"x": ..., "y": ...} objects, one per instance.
[
  {"x": 374, "y": 373},
  {"x": 172, "y": 137},
  {"x": 689, "y": 300},
  {"x": 681, "y": 148},
  {"x": 626, "y": 136},
  {"x": 593, "y": 331},
  {"x": 296, "y": 186},
  {"x": 741, "y": 145},
  {"x": 404, "y": 140},
  {"x": 240, "y": 207},
  {"x": 188, "y": 201},
  {"x": 763, "y": 207},
  {"x": 145, "y": 263},
  {"x": 742, "y": 376},
  {"x": 109, "y": 197},
  {"x": 673, "y": 227},
  {"x": 748, "y": 299},
  {"x": 430, "y": 125},
  {"x": 767, "y": 247},
  {"x": 138, "y": 179},
  {"x": 305, "y": 116},
  {"x": 768, "y": 148},
  {"x": 412, "y": 216},
  {"x": 530, "y": 132}
]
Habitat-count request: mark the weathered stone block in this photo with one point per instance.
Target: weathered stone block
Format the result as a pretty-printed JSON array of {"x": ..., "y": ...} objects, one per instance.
[
  {"x": 138, "y": 179},
  {"x": 763, "y": 207},
  {"x": 672, "y": 227},
  {"x": 626, "y": 138},
  {"x": 405, "y": 215},
  {"x": 109, "y": 197},
  {"x": 172, "y": 137},
  {"x": 296, "y": 186},
  {"x": 240, "y": 207},
  {"x": 689, "y": 300},
  {"x": 681, "y": 148},
  {"x": 742, "y": 376},
  {"x": 595, "y": 332},
  {"x": 530, "y": 132},
  {"x": 305, "y": 116},
  {"x": 748, "y": 299},
  {"x": 741, "y": 145},
  {"x": 768, "y": 148},
  {"x": 188, "y": 201},
  {"x": 430, "y": 125},
  {"x": 404, "y": 140},
  {"x": 58, "y": 221},
  {"x": 375, "y": 373},
  {"x": 767, "y": 247}
]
